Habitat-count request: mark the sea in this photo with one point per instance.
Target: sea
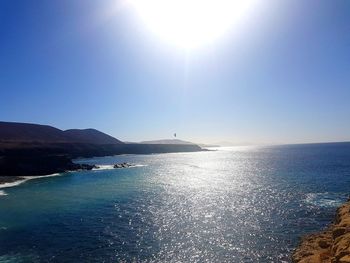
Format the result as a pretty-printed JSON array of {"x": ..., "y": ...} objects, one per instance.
[{"x": 234, "y": 204}]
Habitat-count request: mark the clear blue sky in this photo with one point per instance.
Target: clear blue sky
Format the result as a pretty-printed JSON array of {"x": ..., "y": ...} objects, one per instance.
[{"x": 284, "y": 77}]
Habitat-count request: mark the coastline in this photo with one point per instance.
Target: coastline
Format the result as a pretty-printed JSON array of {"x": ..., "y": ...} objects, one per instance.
[
  {"x": 22, "y": 162},
  {"x": 11, "y": 181},
  {"x": 329, "y": 246},
  {"x": 37, "y": 160}
]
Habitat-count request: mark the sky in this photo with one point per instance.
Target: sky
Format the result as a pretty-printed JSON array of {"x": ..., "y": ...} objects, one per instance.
[{"x": 282, "y": 75}]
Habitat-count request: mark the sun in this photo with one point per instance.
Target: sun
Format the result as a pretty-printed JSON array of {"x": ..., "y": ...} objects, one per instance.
[{"x": 191, "y": 23}]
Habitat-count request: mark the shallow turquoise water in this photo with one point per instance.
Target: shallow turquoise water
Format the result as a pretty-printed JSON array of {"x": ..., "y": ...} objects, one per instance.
[{"x": 248, "y": 204}]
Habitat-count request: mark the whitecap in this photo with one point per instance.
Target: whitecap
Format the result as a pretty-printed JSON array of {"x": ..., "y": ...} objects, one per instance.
[
  {"x": 103, "y": 167},
  {"x": 12, "y": 184},
  {"x": 138, "y": 165},
  {"x": 25, "y": 179},
  {"x": 2, "y": 193},
  {"x": 111, "y": 166},
  {"x": 324, "y": 199}
]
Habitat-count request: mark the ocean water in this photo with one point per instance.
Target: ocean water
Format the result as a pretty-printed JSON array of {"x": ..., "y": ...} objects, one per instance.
[{"x": 240, "y": 204}]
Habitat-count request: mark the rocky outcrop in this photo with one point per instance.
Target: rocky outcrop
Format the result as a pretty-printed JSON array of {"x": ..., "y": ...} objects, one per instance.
[
  {"x": 330, "y": 246},
  {"x": 122, "y": 165},
  {"x": 32, "y": 149},
  {"x": 43, "y": 158},
  {"x": 38, "y": 165}
]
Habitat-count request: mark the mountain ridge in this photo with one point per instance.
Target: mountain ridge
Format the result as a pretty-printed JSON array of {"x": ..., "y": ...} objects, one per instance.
[
  {"x": 167, "y": 141},
  {"x": 32, "y": 149},
  {"x": 91, "y": 135},
  {"x": 16, "y": 132}
]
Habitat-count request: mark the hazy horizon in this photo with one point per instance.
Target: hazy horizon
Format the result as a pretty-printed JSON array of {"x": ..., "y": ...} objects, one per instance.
[{"x": 280, "y": 75}]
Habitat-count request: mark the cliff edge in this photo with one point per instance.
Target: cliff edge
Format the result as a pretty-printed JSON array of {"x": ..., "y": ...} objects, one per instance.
[{"x": 329, "y": 246}]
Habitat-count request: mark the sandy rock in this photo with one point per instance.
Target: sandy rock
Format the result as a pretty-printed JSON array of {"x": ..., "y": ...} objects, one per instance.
[
  {"x": 330, "y": 246},
  {"x": 345, "y": 259}
]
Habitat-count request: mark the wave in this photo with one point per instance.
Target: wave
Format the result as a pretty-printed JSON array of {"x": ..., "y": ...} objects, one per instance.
[
  {"x": 40, "y": 176},
  {"x": 103, "y": 167},
  {"x": 324, "y": 199},
  {"x": 25, "y": 179},
  {"x": 12, "y": 184},
  {"x": 111, "y": 166}
]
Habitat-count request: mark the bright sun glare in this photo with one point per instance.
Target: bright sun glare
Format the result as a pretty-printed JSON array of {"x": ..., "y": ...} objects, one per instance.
[{"x": 191, "y": 23}]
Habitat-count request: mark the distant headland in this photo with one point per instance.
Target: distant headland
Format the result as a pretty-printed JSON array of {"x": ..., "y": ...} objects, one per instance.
[{"x": 32, "y": 149}]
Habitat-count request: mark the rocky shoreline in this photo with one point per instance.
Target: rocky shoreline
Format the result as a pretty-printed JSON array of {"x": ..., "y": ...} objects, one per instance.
[
  {"x": 36, "y": 165},
  {"x": 34, "y": 159},
  {"x": 9, "y": 179},
  {"x": 329, "y": 246},
  {"x": 66, "y": 166}
]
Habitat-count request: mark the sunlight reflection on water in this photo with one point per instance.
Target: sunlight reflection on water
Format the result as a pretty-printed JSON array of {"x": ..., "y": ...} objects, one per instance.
[{"x": 236, "y": 205}]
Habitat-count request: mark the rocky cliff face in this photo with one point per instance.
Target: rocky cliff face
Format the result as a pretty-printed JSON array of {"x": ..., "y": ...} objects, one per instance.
[
  {"x": 32, "y": 149},
  {"x": 330, "y": 246},
  {"x": 42, "y": 159},
  {"x": 38, "y": 165}
]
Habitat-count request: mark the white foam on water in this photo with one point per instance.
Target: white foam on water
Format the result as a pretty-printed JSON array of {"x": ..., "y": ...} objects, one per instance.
[
  {"x": 111, "y": 167},
  {"x": 12, "y": 184},
  {"x": 103, "y": 167},
  {"x": 40, "y": 176},
  {"x": 25, "y": 179},
  {"x": 325, "y": 199},
  {"x": 138, "y": 165}
]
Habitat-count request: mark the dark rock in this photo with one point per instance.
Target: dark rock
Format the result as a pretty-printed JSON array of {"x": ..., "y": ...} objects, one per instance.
[
  {"x": 338, "y": 231},
  {"x": 324, "y": 243},
  {"x": 122, "y": 165},
  {"x": 87, "y": 166},
  {"x": 31, "y": 149},
  {"x": 38, "y": 165}
]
